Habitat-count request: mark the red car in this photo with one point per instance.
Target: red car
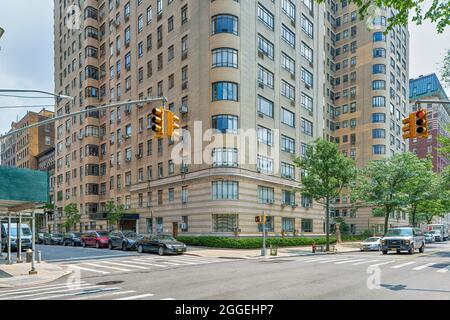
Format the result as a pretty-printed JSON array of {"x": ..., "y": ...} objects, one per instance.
[{"x": 99, "y": 239}]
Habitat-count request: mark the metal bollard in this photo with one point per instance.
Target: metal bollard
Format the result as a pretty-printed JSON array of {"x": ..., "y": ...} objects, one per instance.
[
  {"x": 39, "y": 257},
  {"x": 29, "y": 255}
]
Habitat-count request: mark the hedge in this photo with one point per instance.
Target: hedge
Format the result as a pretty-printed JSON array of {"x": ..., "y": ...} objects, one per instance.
[{"x": 249, "y": 243}]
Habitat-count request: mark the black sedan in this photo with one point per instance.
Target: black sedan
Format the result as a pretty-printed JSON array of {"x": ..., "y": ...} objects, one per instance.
[
  {"x": 161, "y": 244},
  {"x": 54, "y": 238},
  {"x": 72, "y": 239},
  {"x": 125, "y": 240}
]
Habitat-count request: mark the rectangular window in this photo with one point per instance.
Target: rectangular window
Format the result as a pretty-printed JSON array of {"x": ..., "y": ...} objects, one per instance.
[
  {"x": 288, "y": 63},
  {"x": 225, "y": 190},
  {"x": 306, "y": 52},
  {"x": 225, "y": 222},
  {"x": 287, "y": 144},
  {"x": 265, "y": 16},
  {"x": 265, "y": 76},
  {"x": 287, "y": 90},
  {"x": 288, "y": 36},
  {"x": 265, "y": 106},
  {"x": 265, "y": 195},
  {"x": 287, "y": 117},
  {"x": 266, "y": 47}
]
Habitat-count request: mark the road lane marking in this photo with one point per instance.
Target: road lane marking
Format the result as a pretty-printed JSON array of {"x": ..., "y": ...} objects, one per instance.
[
  {"x": 125, "y": 265},
  {"x": 49, "y": 292},
  {"x": 381, "y": 263},
  {"x": 88, "y": 269},
  {"x": 403, "y": 265},
  {"x": 137, "y": 297},
  {"x": 364, "y": 262},
  {"x": 167, "y": 299},
  {"x": 95, "y": 289},
  {"x": 329, "y": 260},
  {"x": 93, "y": 257},
  {"x": 104, "y": 295},
  {"x": 28, "y": 289},
  {"x": 107, "y": 267},
  {"x": 423, "y": 266},
  {"x": 445, "y": 269},
  {"x": 312, "y": 260},
  {"x": 349, "y": 261}
]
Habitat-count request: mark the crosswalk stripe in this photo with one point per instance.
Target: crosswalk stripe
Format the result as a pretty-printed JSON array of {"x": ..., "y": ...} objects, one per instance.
[
  {"x": 137, "y": 297},
  {"x": 312, "y": 260},
  {"x": 95, "y": 289},
  {"x": 445, "y": 269},
  {"x": 349, "y": 261},
  {"x": 423, "y": 266},
  {"x": 140, "y": 261},
  {"x": 107, "y": 267},
  {"x": 363, "y": 262},
  {"x": 49, "y": 292},
  {"x": 403, "y": 265},
  {"x": 28, "y": 289},
  {"x": 329, "y": 260},
  {"x": 88, "y": 269},
  {"x": 125, "y": 265},
  {"x": 168, "y": 299},
  {"x": 381, "y": 263},
  {"x": 104, "y": 295}
]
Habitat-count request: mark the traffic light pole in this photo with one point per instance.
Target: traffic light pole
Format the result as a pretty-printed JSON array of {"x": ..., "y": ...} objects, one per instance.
[{"x": 263, "y": 250}]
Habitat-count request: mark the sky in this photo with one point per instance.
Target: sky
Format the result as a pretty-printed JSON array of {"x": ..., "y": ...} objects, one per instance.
[{"x": 26, "y": 52}]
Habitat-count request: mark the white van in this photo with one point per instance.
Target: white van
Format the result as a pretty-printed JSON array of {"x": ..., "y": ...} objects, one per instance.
[
  {"x": 25, "y": 235},
  {"x": 440, "y": 231}
]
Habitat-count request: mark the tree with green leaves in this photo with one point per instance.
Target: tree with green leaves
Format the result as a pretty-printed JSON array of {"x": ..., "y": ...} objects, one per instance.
[
  {"x": 445, "y": 69},
  {"x": 72, "y": 215},
  {"x": 437, "y": 203},
  {"x": 382, "y": 184},
  {"x": 325, "y": 173},
  {"x": 444, "y": 140},
  {"x": 437, "y": 12},
  {"x": 419, "y": 189},
  {"x": 113, "y": 213}
]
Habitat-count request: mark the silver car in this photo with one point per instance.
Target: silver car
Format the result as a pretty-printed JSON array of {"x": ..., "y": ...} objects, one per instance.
[{"x": 371, "y": 244}]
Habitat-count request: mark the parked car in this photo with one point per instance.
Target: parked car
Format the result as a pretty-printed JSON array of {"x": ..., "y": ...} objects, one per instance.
[
  {"x": 429, "y": 237},
  {"x": 99, "y": 239},
  {"x": 72, "y": 239},
  {"x": 40, "y": 237},
  {"x": 125, "y": 240},
  {"x": 403, "y": 239},
  {"x": 370, "y": 244},
  {"x": 25, "y": 235},
  {"x": 54, "y": 239},
  {"x": 161, "y": 244},
  {"x": 440, "y": 231}
]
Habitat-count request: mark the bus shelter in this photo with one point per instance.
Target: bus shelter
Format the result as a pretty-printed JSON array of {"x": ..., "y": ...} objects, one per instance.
[{"x": 22, "y": 193}]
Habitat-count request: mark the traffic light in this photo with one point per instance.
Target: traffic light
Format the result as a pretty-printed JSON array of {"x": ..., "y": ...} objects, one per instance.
[
  {"x": 258, "y": 219},
  {"x": 173, "y": 124},
  {"x": 408, "y": 129},
  {"x": 421, "y": 124},
  {"x": 158, "y": 122}
]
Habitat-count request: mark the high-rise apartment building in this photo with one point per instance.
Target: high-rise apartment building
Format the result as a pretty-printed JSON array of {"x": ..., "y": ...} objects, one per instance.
[
  {"x": 429, "y": 88},
  {"x": 268, "y": 67},
  {"x": 21, "y": 150},
  {"x": 370, "y": 98}
]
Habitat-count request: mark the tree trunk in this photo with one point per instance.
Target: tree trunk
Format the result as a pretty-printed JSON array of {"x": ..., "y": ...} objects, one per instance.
[
  {"x": 386, "y": 219},
  {"x": 327, "y": 223},
  {"x": 414, "y": 215}
]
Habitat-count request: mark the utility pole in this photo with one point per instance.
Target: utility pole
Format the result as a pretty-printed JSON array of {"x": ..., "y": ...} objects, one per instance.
[
  {"x": 33, "y": 244},
  {"x": 263, "y": 250},
  {"x": 19, "y": 243}
]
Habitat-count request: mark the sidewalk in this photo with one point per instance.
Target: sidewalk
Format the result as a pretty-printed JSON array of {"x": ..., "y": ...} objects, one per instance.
[
  {"x": 16, "y": 275},
  {"x": 256, "y": 253}
]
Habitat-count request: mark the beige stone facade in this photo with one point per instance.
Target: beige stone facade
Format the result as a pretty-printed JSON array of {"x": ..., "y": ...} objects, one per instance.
[{"x": 249, "y": 65}]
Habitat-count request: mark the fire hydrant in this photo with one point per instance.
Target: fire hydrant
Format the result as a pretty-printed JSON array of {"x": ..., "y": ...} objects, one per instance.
[
  {"x": 29, "y": 255},
  {"x": 314, "y": 247}
]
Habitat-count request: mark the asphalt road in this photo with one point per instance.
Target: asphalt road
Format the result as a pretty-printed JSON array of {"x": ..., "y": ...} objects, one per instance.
[{"x": 359, "y": 275}]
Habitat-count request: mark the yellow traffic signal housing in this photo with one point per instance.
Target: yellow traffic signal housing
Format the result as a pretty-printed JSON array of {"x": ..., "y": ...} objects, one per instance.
[
  {"x": 409, "y": 130},
  {"x": 421, "y": 124},
  {"x": 173, "y": 123},
  {"x": 158, "y": 122}
]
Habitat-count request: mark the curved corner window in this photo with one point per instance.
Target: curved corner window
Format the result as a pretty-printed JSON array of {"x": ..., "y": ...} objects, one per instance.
[
  {"x": 378, "y": 117},
  {"x": 225, "y": 123},
  {"x": 91, "y": 92},
  {"x": 379, "y": 36},
  {"x": 225, "y": 57},
  {"x": 224, "y": 91},
  {"x": 379, "y": 68},
  {"x": 224, "y": 23}
]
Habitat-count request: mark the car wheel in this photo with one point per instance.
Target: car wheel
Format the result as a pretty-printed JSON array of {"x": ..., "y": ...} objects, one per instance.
[
  {"x": 110, "y": 246},
  {"x": 140, "y": 248},
  {"x": 124, "y": 247},
  {"x": 411, "y": 249},
  {"x": 161, "y": 251},
  {"x": 384, "y": 251},
  {"x": 422, "y": 248},
  {"x": 97, "y": 245}
]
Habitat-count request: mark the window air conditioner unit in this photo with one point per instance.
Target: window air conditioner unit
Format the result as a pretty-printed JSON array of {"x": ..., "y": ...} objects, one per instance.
[
  {"x": 292, "y": 76},
  {"x": 260, "y": 114},
  {"x": 261, "y": 85},
  {"x": 261, "y": 54},
  {"x": 184, "y": 109}
]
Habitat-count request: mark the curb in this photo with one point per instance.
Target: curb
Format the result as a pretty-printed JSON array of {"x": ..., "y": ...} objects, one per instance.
[{"x": 37, "y": 282}]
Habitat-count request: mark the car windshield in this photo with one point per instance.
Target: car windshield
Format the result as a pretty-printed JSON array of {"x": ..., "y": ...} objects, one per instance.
[
  {"x": 131, "y": 235},
  {"x": 102, "y": 234},
  {"x": 25, "y": 232},
  {"x": 76, "y": 234},
  {"x": 435, "y": 232},
  {"x": 371, "y": 239},
  {"x": 399, "y": 232},
  {"x": 166, "y": 238}
]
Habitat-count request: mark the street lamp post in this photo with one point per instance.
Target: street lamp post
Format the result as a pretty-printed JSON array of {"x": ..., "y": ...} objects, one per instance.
[{"x": 61, "y": 96}]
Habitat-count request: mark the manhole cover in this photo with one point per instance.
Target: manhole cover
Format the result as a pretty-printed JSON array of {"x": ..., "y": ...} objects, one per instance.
[{"x": 109, "y": 283}]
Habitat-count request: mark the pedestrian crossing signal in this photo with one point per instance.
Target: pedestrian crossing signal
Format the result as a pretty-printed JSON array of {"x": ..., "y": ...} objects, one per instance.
[{"x": 258, "y": 219}]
